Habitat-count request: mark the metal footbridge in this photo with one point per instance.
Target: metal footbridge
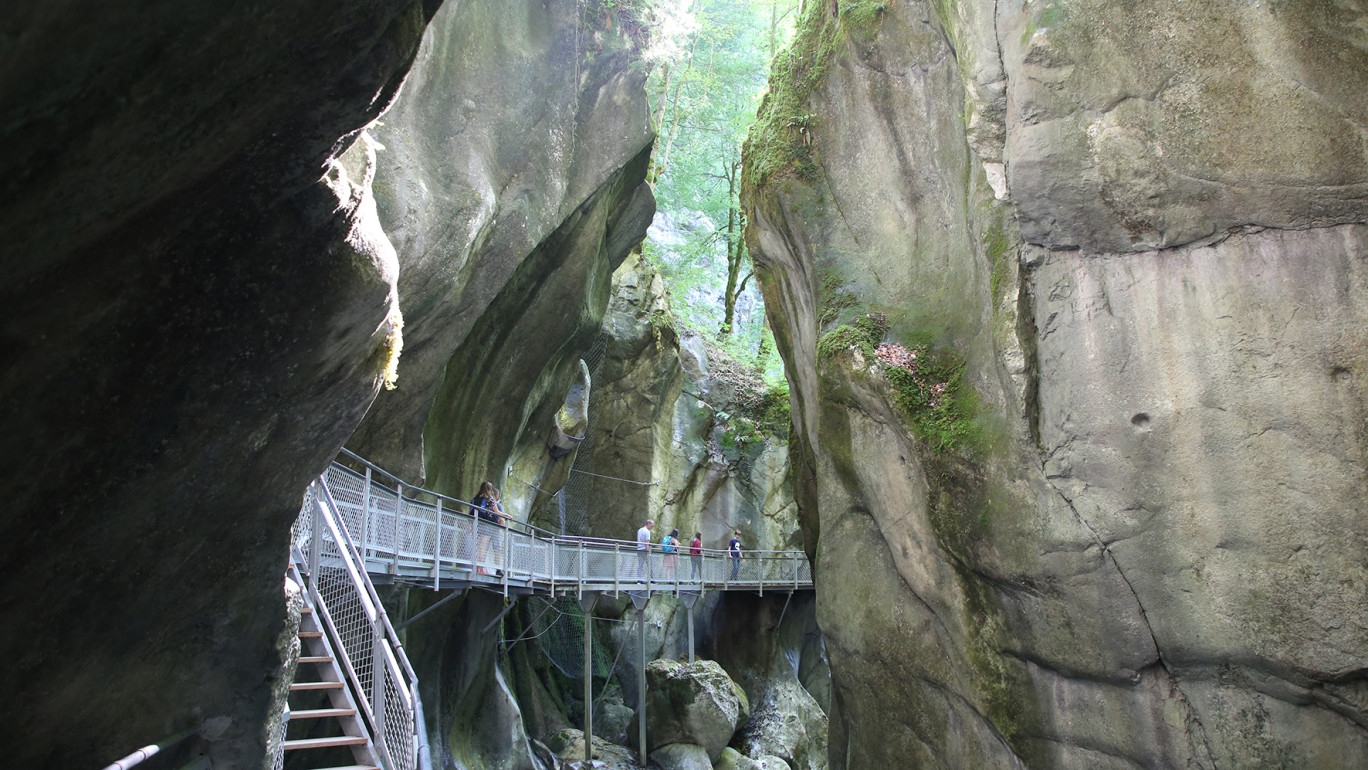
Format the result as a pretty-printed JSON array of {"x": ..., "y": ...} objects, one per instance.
[
  {"x": 423, "y": 538},
  {"x": 360, "y": 526}
]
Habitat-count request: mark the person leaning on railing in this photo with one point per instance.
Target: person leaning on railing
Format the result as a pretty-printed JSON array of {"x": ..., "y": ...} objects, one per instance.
[{"x": 486, "y": 507}]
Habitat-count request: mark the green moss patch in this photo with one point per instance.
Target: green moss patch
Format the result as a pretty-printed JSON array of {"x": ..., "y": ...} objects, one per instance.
[
  {"x": 780, "y": 140},
  {"x": 866, "y": 333}
]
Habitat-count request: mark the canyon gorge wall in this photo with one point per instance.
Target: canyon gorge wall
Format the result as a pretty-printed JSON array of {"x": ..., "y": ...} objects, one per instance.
[
  {"x": 200, "y": 305},
  {"x": 1136, "y": 234}
]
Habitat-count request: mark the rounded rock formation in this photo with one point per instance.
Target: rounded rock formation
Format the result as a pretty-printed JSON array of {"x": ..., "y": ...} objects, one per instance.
[{"x": 692, "y": 703}]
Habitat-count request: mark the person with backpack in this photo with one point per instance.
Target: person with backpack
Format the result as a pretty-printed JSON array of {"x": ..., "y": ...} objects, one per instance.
[
  {"x": 696, "y": 556},
  {"x": 734, "y": 549},
  {"x": 670, "y": 546}
]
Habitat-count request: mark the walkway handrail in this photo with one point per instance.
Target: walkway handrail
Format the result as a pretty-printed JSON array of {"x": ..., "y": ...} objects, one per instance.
[
  {"x": 369, "y": 651},
  {"x": 403, "y": 534},
  {"x": 465, "y": 505}
]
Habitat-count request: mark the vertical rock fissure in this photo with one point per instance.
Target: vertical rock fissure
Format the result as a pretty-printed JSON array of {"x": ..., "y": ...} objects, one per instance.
[{"x": 1194, "y": 730}]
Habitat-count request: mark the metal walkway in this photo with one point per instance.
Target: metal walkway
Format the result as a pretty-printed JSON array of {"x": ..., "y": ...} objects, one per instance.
[
  {"x": 396, "y": 528},
  {"x": 354, "y": 530}
]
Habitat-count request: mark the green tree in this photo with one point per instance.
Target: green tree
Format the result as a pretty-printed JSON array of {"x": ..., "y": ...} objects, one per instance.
[{"x": 706, "y": 94}]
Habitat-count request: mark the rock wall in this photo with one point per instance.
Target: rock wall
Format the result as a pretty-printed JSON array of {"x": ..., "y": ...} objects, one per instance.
[
  {"x": 511, "y": 179},
  {"x": 662, "y": 419},
  {"x": 1141, "y": 229},
  {"x": 199, "y": 305},
  {"x": 512, "y": 184}
]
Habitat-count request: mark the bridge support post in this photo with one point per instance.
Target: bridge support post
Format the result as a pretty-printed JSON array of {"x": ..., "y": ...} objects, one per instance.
[
  {"x": 690, "y": 598},
  {"x": 641, "y": 682},
  {"x": 586, "y": 604},
  {"x": 640, "y": 599}
]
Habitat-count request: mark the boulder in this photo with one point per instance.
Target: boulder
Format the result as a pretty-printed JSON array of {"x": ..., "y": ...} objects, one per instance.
[
  {"x": 568, "y": 746},
  {"x": 787, "y": 723},
  {"x": 692, "y": 703},
  {"x": 732, "y": 759},
  {"x": 613, "y": 721},
  {"x": 682, "y": 756}
]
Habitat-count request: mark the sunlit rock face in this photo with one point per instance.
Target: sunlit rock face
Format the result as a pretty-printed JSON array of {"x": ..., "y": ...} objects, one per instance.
[
  {"x": 1142, "y": 226},
  {"x": 512, "y": 182},
  {"x": 198, "y": 309}
]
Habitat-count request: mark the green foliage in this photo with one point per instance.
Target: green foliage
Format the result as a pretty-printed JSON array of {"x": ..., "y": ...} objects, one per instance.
[
  {"x": 775, "y": 416},
  {"x": 940, "y": 407},
  {"x": 780, "y": 140},
  {"x": 830, "y": 299},
  {"x": 705, "y": 91},
  {"x": 998, "y": 247},
  {"x": 865, "y": 334},
  {"x": 863, "y": 15}
]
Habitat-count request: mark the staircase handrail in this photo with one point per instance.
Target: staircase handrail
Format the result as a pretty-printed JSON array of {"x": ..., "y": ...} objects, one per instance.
[{"x": 388, "y": 658}]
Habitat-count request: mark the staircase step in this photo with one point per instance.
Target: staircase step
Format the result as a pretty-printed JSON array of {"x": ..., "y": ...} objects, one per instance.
[
  {"x": 351, "y": 767},
  {"x": 297, "y": 686},
  {"x": 321, "y": 713},
  {"x": 306, "y": 610},
  {"x": 316, "y": 659},
  {"x": 324, "y": 743},
  {"x": 310, "y": 634}
]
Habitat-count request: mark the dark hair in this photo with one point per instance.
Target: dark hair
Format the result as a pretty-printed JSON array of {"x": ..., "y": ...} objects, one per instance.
[
  {"x": 698, "y": 534},
  {"x": 485, "y": 489},
  {"x": 674, "y": 533}
]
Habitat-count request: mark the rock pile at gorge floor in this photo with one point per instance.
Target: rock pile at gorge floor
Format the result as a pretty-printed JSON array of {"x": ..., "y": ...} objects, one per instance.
[{"x": 1140, "y": 232}]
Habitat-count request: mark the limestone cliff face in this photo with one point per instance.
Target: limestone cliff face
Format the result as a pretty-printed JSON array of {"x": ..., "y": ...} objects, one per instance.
[
  {"x": 512, "y": 184},
  {"x": 1142, "y": 229},
  {"x": 661, "y": 419},
  {"x": 511, "y": 180},
  {"x": 199, "y": 304}
]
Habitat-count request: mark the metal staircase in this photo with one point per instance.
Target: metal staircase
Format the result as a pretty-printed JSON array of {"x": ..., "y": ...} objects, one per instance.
[
  {"x": 324, "y": 719},
  {"x": 354, "y": 703}
]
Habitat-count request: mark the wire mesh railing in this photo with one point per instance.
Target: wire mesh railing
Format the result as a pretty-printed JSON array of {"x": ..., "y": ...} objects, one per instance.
[
  {"x": 423, "y": 534},
  {"x": 366, "y": 646}
]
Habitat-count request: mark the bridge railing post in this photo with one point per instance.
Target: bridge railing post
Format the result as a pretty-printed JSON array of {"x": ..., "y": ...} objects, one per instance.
[
  {"x": 507, "y": 549},
  {"x": 794, "y": 559},
  {"x": 378, "y": 685},
  {"x": 398, "y": 515},
  {"x": 437, "y": 551},
  {"x": 617, "y": 567},
  {"x": 315, "y": 548},
  {"x": 760, "y": 564},
  {"x": 365, "y": 515}
]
